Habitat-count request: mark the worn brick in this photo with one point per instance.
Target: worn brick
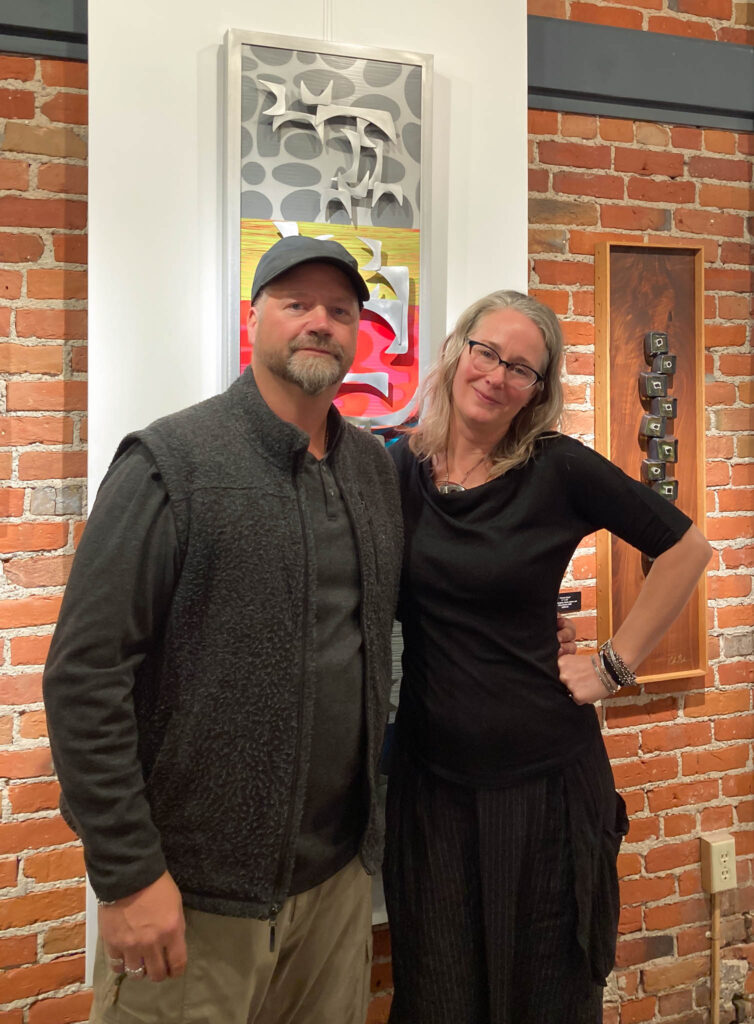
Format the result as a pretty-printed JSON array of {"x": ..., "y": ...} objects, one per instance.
[
  {"x": 15, "y": 537},
  {"x": 51, "y": 323},
  {"x": 20, "y": 689},
  {"x": 30, "y": 797},
  {"x": 56, "y": 284},
  {"x": 19, "y": 69},
  {"x": 20, "y": 248},
  {"x": 25, "y": 138},
  {"x": 65, "y": 938},
  {"x": 561, "y": 211},
  {"x": 646, "y": 890},
  {"x": 70, "y": 248},
  {"x": 67, "y": 108},
  {"x": 24, "y": 764},
  {"x": 675, "y": 737},
  {"x": 14, "y": 175},
  {"x": 719, "y": 141},
  {"x": 603, "y": 186},
  {"x": 683, "y": 794},
  {"x": 29, "y": 650},
  {"x": 700, "y": 222},
  {"x": 615, "y": 129},
  {"x": 62, "y": 1009},
  {"x": 642, "y": 950},
  {"x": 17, "y": 103},
  {"x": 673, "y": 975},
  {"x": 543, "y": 122},
  {"x": 635, "y": 218},
  {"x": 594, "y": 14},
  {"x": 547, "y": 240},
  {"x": 17, "y": 950},
  {"x": 673, "y": 915},
  {"x": 58, "y": 396},
  {"x": 17, "y": 211},
  {"x": 38, "y": 978},
  {"x": 642, "y": 771},
  {"x": 30, "y": 359},
  {"x": 63, "y": 177},
  {"x": 643, "y": 161},
  {"x": 572, "y": 154},
  {"x": 55, "y": 865},
  {"x": 671, "y": 26},
  {"x": 672, "y": 855},
  {"x": 648, "y": 190},
  {"x": 69, "y": 74},
  {"x": 59, "y": 465},
  {"x": 682, "y": 137}
]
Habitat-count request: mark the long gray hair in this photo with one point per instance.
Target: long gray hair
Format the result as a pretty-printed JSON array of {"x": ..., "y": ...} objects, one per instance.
[{"x": 543, "y": 412}]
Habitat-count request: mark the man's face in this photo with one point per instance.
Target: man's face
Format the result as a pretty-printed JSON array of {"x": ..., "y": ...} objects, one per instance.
[{"x": 304, "y": 327}]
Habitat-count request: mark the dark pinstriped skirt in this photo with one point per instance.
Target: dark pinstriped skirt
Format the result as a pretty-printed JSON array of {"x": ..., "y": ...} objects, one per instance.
[{"x": 503, "y": 903}]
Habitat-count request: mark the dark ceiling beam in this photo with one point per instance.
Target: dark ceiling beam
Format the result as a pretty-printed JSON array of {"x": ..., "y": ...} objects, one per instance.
[
  {"x": 647, "y": 76},
  {"x": 44, "y": 28}
]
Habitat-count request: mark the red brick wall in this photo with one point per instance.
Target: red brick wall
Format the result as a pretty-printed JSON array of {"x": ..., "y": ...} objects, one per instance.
[
  {"x": 43, "y": 185},
  {"x": 727, "y": 21},
  {"x": 682, "y": 758},
  {"x": 682, "y": 754}
]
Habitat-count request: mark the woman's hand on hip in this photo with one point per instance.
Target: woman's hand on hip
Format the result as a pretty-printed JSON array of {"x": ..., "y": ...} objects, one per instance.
[{"x": 578, "y": 676}]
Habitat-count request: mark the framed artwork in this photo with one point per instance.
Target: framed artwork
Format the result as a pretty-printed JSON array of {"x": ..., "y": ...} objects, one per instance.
[
  {"x": 649, "y": 406},
  {"x": 332, "y": 141}
]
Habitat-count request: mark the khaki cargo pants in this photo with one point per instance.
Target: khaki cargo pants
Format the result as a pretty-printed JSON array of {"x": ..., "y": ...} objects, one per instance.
[{"x": 318, "y": 973}]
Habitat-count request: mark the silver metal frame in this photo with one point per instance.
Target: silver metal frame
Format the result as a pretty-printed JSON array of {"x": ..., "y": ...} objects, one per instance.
[{"x": 234, "y": 40}]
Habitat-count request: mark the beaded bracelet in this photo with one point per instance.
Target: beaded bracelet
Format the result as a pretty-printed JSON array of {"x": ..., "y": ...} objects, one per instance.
[
  {"x": 617, "y": 667},
  {"x": 604, "y": 678},
  {"x": 608, "y": 667}
]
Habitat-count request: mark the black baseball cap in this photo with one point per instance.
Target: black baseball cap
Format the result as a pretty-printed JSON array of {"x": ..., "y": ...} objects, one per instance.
[{"x": 293, "y": 250}]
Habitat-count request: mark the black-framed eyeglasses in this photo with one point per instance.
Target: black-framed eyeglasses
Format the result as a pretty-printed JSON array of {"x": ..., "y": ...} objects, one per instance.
[{"x": 486, "y": 360}]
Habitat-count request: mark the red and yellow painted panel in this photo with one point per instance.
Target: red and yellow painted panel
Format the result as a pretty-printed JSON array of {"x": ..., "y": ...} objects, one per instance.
[{"x": 383, "y": 382}]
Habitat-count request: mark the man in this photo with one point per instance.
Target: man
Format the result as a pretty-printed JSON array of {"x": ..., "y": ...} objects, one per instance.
[{"x": 217, "y": 684}]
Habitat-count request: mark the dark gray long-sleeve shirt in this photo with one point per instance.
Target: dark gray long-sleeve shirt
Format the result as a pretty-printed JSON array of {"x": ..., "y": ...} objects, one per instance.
[{"x": 116, "y": 603}]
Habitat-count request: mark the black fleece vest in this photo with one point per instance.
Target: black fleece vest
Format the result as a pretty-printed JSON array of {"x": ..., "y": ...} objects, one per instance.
[{"x": 224, "y": 701}]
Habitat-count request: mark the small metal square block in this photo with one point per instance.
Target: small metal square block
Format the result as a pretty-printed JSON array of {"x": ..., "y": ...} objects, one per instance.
[
  {"x": 655, "y": 342},
  {"x": 652, "y": 426},
  {"x": 667, "y": 489},
  {"x": 652, "y": 472},
  {"x": 653, "y": 385},
  {"x": 667, "y": 407},
  {"x": 664, "y": 363},
  {"x": 663, "y": 449}
]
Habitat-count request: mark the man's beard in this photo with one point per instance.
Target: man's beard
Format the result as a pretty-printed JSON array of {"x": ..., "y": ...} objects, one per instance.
[{"x": 312, "y": 373}]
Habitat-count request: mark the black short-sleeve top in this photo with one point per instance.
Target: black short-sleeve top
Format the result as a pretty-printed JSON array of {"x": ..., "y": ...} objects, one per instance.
[{"x": 481, "y": 700}]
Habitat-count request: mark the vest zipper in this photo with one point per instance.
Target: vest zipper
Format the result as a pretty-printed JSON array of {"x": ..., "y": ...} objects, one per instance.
[
  {"x": 297, "y": 752},
  {"x": 274, "y": 911}
]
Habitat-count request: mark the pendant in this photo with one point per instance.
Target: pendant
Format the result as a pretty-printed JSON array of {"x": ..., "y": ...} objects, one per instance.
[{"x": 450, "y": 488}]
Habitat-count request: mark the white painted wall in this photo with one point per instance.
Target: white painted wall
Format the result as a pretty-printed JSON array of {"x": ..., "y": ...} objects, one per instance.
[
  {"x": 155, "y": 241},
  {"x": 156, "y": 179}
]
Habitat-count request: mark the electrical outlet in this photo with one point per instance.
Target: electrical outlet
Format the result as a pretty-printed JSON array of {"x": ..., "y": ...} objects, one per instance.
[{"x": 718, "y": 862}]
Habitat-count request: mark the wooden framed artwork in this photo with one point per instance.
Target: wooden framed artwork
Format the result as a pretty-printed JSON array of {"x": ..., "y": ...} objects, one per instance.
[
  {"x": 333, "y": 141},
  {"x": 650, "y": 421}
]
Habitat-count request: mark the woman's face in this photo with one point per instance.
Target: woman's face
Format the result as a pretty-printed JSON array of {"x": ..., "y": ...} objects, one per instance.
[{"x": 486, "y": 401}]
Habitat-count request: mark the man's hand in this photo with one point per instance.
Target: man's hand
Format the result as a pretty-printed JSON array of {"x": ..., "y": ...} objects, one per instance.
[
  {"x": 578, "y": 676},
  {"x": 146, "y": 930},
  {"x": 566, "y": 636}
]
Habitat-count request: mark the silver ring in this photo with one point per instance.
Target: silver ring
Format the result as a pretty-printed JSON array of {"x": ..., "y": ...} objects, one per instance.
[
  {"x": 116, "y": 961},
  {"x": 136, "y": 972}
]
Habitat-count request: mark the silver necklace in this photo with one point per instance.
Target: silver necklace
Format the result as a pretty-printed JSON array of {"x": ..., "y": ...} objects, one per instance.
[{"x": 450, "y": 487}]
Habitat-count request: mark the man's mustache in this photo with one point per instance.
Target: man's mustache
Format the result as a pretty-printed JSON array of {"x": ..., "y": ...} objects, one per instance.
[{"x": 317, "y": 341}]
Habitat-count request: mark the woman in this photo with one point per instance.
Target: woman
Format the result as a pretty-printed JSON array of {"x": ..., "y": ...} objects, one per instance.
[{"x": 503, "y": 820}]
